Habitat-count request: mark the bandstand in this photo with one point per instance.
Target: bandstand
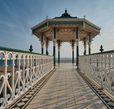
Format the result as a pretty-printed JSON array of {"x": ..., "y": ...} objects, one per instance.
[
  {"x": 66, "y": 29},
  {"x": 29, "y": 80}
]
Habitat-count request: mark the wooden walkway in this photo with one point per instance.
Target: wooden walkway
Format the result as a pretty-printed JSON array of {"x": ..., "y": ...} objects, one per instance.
[{"x": 66, "y": 90}]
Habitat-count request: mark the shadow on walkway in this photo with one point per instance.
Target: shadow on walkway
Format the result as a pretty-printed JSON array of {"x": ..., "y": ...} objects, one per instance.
[{"x": 66, "y": 90}]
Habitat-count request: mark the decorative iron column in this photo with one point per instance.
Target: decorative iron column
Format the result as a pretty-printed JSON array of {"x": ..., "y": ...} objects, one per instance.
[
  {"x": 85, "y": 42},
  {"x": 72, "y": 43},
  {"x": 77, "y": 47},
  {"x": 89, "y": 43},
  {"x": 54, "y": 48},
  {"x": 42, "y": 44},
  {"x": 46, "y": 44},
  {"x": 59, "y": 44}
]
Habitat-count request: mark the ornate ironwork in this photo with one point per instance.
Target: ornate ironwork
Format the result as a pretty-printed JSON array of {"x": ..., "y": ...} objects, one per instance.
[
  {"x": 99, "y": 68},
  {"x": 101, "y": 49},
  {"x": 19, "y": 71},
  {"x": 31, "y": 48}
]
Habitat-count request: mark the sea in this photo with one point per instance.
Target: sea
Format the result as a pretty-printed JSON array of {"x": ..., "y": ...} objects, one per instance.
[
  {"x": 62, "y": 60},
  {"x": 2, "y": 63}
]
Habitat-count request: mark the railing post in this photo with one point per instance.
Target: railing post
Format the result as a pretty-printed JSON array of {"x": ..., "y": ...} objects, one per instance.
[
  {"x": 24, "y": 59},
  {"x": 28, "y": 70},
  {"x": 19, "y": 74},
  {"x": 101, "y": 70},
  {"x": 5, "y": 79},
  {"x": 13, "y": 70}
]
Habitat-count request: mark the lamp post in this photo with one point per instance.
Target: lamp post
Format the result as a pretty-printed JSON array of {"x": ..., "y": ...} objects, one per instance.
[
  {"x": 31, "y": 48},
  {"x": 101, "y": 49}
]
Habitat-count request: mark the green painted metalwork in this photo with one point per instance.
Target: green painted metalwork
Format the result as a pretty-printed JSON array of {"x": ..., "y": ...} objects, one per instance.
[{"x": 17, "y": 50}]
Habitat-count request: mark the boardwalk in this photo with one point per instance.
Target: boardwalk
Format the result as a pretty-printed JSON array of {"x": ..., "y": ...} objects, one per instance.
[{"x": 66, "y": 90}]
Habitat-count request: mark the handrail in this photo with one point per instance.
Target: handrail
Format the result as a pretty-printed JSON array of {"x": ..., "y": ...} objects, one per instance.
[
  {"x": 18, "y": 50},
  {"x": 110, "y": 51},
  {"x": 100, "y": 68},
  {"x": 19, "y": 70}
]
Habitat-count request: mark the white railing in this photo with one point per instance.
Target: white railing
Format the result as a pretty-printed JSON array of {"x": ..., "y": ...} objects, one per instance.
[
  {"x": 19, "y": 70},
  {"x": 99, "y": 67}
]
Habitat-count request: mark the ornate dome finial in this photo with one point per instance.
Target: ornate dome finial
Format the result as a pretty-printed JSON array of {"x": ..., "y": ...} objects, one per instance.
[
  {"x": 65, "y": 10},
  {"x": 65, "y": 15}
]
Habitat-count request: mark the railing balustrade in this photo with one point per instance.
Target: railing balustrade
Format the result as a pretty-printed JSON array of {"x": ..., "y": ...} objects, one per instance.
[
  {"x": 99, "y": 68},
  {"x": 19, "y": 70}
]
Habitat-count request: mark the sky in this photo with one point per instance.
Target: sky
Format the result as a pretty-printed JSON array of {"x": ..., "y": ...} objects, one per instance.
[{"x": 18, "y": 16}]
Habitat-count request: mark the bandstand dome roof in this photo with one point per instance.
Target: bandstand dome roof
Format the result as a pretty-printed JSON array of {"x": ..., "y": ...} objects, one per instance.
[{"x": 65, "y": 28}]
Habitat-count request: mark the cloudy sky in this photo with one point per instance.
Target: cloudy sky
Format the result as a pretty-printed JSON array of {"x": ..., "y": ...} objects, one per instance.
[{"x": 18, "y": 16}]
